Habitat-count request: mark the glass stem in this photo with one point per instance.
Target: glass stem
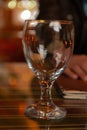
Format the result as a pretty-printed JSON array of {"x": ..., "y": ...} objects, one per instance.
[{"x": 46, "y": 96}]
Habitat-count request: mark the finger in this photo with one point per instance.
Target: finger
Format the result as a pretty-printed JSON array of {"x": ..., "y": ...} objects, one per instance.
[
  {"x": 84, "y": 67},
  {"x": 80, "y": 72},
  {"x": 70, "y": 73}
]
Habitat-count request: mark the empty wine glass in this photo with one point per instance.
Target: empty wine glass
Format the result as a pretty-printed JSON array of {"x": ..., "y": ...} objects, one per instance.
[{"x": 48, "y": 46}]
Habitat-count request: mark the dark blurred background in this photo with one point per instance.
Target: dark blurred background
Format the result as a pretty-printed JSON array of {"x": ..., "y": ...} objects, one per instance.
[{"x": 12, "y": 16}]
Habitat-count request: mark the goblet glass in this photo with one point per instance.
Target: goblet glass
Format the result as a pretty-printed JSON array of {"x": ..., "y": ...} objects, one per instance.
[{"x": 48, "y": 46}]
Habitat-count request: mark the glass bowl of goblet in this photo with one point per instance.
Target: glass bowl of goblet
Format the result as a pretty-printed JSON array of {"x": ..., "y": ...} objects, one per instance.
[{"x": 48, "y": 46}]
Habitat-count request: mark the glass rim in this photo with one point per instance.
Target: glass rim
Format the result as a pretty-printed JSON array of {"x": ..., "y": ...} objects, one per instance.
[{"x": 54, "y": 20}]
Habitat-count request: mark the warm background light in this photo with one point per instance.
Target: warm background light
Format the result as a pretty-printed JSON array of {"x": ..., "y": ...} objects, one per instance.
[
  {"x": 26, "y": 14},
  {"x": 12, "y": 4},
  {"x": 13, "y": 13},
  {"x": 25, "y": 9}
]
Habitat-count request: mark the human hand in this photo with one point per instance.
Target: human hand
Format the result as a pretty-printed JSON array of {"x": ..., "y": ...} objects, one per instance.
[{"x": 77, "y": 67}]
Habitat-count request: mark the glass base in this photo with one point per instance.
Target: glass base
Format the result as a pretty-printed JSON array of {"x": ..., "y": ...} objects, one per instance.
[{"x": 45, "y": 113}]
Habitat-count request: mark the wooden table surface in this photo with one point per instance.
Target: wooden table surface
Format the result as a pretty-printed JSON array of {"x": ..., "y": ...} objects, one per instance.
[{"x": 19, "y": 87}]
